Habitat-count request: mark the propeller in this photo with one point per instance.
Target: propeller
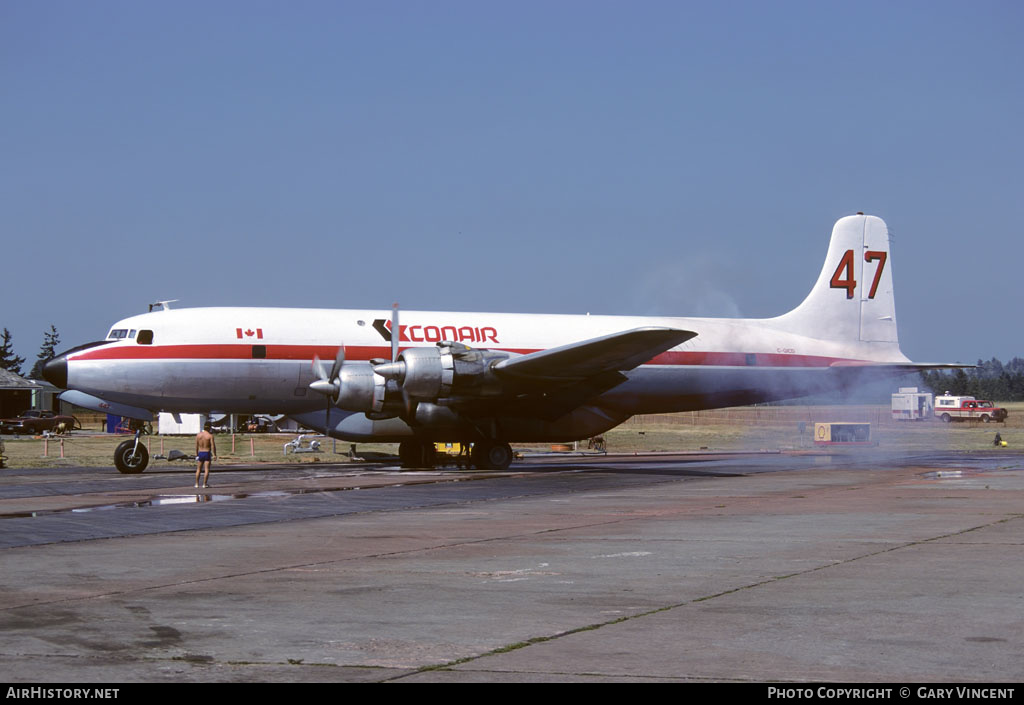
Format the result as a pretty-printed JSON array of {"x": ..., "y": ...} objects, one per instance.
[
  {"x": 396, "y": 334},
  {"x": 328, "y": 384},
  {"x": 395, "y": 370}
]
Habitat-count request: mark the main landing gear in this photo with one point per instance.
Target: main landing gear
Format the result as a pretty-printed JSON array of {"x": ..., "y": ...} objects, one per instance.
[
  {"x": 416, "y": 454},
  {"x": 486, "y": 455},
  {"x": 492, "y": 455}
]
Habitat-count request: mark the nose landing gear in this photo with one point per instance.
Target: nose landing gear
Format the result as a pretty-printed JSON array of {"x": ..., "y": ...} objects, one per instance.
[{"x": 132, "y": 457}]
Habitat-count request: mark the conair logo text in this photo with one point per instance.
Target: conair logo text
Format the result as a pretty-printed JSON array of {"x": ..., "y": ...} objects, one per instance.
[{"x": 435, "y": 334}]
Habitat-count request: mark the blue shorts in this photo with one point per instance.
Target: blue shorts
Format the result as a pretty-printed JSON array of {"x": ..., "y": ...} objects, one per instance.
[{"x": 204, "y": 456}]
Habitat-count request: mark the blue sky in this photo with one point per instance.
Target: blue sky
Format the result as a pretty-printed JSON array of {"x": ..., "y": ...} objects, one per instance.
[{"x": 628, "y": 158}]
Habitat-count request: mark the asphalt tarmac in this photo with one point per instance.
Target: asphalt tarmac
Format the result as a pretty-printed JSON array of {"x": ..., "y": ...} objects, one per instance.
[{"x": 740, "y": 567}]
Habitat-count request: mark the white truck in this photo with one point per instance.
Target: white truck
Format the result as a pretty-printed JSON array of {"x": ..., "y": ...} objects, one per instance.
[{"x": 949, "y": 408}]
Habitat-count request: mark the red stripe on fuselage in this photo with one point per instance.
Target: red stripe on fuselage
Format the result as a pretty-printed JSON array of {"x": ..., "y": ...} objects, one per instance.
[
  {"x": 367, "y": 352},
  {"x": 231, "y": 352}
]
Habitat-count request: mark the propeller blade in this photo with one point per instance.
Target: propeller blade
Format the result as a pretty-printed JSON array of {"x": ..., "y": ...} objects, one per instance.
[
  {"x": 335, "y": 380},
  {"x": 328, "y": 383},
  {"x": 339, "y": 360},
  {"x": 396, "y": 332},
  {"x": 318, "y": 368}
]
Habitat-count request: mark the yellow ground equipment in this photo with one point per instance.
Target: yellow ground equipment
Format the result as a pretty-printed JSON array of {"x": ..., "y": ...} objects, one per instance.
[
  {"x": 458, "y": 454},
  {"x": 842, "y": 434}
]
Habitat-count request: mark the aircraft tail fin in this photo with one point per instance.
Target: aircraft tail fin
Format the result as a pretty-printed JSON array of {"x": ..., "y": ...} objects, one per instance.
[{"x": 853, "y": 297}]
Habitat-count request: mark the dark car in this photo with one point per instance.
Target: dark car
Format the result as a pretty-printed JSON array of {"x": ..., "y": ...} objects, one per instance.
[{"x": 36, "y": 421}]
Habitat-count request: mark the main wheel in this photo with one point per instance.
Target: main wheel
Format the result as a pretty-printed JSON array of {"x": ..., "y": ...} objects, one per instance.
[
  {"x": 985, "y": 418},
  {"x": 946, "y": 418},
  {"x": 416, "y": 454},
  {"x": 492, "y": 455},
  {"x": 129, "y": 460}
]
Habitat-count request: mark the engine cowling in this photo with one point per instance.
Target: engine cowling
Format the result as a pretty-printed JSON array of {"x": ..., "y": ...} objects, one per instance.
[
  {"x": 450, "y": 369},
  {"x": 361, "y": 389}
]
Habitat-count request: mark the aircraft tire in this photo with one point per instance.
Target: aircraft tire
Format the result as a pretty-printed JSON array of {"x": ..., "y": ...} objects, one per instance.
[
  {"x": 946, "y": 418},
  {"x": 128, "y": 462},
  {"x": 416, "y": 454},
  {"x": 492, "y": 455},
  {"x": 406, "y": 455}
]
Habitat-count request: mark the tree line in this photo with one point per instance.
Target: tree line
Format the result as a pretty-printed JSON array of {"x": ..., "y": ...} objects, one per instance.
[
  {"x": 12, "y": 363},
  {"x": 989, "y": 380}
]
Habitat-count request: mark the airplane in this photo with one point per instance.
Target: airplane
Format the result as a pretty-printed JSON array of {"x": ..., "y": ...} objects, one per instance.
[{"x": 491, "y": 379}]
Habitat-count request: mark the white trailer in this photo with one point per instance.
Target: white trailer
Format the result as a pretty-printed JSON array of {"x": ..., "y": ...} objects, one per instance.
[
  {"x": 183, "y": 425},
  {"x": 910, "y": 404}
]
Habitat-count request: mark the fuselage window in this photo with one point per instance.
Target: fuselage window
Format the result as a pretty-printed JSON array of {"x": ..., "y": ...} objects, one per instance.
[
  {"x": 145, "y": 337},
  {"x": 131, "y": 333}
]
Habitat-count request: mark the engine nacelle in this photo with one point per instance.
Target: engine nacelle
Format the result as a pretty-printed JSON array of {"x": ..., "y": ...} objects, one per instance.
[
  {"x": 429, "y": 373},
  {"x": 450, "y": 369},
  {"x": 383, "y": 389},
  {"x": 361, "y": 389}
]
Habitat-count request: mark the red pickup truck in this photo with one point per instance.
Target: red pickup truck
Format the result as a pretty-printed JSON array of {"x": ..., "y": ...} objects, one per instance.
[
  {"x": 954, "y": 408},
  {"x": 36, "y": 421}
]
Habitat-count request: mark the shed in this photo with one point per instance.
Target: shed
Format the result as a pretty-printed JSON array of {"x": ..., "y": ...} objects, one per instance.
[{"x": 16, "y": 393}]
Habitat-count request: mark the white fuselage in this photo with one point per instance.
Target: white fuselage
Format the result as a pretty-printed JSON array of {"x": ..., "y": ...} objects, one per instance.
[{"x": 259, "y": 360}]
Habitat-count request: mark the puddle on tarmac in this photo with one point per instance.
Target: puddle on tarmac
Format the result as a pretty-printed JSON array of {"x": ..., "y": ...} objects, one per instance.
[
  {"x": 199, "y": 498},
  {"x": 947, "y": 474},
  {"x": 967, "y": 472}
]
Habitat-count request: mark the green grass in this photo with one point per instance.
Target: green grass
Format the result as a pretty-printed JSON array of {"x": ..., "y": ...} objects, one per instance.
[{"x": 743, "y": 428}]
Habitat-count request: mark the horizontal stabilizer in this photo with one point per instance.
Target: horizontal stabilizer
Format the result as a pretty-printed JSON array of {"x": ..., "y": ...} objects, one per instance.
[
  {"x": 578, "y": 361},
  {"x": 903, "y": 366}
]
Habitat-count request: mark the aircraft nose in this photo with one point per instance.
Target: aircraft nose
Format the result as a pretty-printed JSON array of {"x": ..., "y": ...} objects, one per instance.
[{"x": 56, "y": 372}]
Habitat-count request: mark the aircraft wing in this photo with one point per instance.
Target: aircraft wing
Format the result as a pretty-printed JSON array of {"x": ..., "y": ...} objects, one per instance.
[
  {"x": 550, "y": 383},
  {"x": 587, "y": 359}
]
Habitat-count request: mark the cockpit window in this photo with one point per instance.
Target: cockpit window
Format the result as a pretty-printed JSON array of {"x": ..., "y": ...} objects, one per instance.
[
  {"x": 145, "y": 337},
  {"x": 118, "y": 334}
]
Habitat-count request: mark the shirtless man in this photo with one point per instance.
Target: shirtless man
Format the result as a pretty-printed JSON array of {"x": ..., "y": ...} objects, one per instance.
[{"x": 206, "y": 450}]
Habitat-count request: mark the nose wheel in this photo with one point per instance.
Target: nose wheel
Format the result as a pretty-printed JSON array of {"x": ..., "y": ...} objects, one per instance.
[{"x": 131, "y": 457}]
